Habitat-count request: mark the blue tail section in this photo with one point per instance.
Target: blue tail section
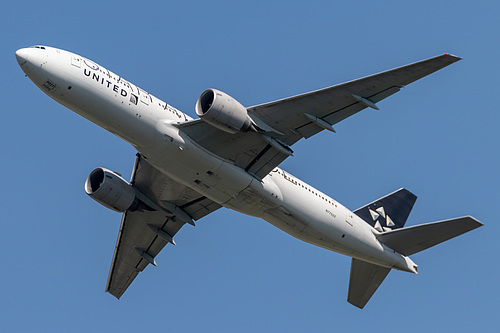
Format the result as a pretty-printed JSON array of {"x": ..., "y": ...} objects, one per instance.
[{"x": 389, "y": 212}]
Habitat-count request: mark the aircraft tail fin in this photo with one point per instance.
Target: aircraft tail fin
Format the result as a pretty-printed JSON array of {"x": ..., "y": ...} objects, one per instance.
[
  {"x": 389, "y": 212},
  {"x": 411, "y": 240},
  {"x": 364, "y": 281},
  {"x": 366, "y": 277}
]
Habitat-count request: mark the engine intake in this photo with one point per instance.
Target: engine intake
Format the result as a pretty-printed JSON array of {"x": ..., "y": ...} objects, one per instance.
[
  {"x": 222, "y": 111},
  {"x": 110, "y": 190}
]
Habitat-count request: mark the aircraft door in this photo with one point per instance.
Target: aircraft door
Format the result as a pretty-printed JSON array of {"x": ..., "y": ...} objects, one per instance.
[
  {"x": 75, "y": 60},
  {"x": 144, "y": 96},
  {"x": 349, "y": 218}
]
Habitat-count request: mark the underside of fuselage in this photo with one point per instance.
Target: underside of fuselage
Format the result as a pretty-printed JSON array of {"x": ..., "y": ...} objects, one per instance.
[{"x": 229, "y": 157}]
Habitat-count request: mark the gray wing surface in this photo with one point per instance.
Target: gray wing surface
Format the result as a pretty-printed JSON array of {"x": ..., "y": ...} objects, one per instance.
[
  {"x": 136, "y": 236},
  {"x": 304, "y": 115}
]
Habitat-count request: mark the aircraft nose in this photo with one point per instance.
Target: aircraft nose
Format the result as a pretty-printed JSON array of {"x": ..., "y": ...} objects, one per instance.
[{"x": 22, "y": 56}]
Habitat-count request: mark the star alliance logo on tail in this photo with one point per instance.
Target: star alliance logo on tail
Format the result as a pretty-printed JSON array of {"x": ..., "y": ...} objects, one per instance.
[
  {"x": 382, "y": 221},
  {"x": 389, "y": 212}
]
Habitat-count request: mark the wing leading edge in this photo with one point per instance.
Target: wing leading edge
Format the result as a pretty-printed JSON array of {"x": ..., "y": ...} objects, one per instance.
[
  {"x": 304, "y": 115},
  {"x": 144, "y": 232}
]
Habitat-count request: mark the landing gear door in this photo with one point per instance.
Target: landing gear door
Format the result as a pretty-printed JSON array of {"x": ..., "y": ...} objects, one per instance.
[{"x": 75, "y": 60}]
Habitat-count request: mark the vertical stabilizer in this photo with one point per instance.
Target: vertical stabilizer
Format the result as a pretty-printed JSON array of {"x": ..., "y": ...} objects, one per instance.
[{"x": 389, "y": 212}]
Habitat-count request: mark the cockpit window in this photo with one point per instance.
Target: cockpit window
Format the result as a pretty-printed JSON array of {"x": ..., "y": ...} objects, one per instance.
[{"x": 38, "y": 47}]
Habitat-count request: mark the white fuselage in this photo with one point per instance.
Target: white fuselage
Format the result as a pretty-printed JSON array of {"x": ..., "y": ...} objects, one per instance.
[{"x": 148, "y": 124}]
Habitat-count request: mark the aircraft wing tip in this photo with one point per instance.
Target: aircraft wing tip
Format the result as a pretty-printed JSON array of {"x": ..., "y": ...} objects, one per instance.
[
  {"x": 453, "y": 57},
  {"x": 477, "y": 222}
]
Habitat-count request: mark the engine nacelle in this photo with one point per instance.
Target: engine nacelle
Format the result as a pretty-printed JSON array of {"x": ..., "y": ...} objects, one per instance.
[
  {"x": 222, "y": 111},
  {"x": 110, "y": 190}
]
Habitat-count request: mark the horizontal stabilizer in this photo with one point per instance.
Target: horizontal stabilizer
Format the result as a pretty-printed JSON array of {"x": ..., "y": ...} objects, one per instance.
[
  {"x": 408, "y": 241},
  {"x": 364, "y": 281}
]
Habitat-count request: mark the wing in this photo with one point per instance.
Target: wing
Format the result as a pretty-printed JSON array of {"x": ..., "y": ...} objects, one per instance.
[
  {"x": 144, "y": 232},
  {"x": 304, "y": 115}
]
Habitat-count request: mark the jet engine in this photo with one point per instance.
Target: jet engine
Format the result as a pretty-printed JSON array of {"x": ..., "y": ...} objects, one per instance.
[
  {"x": 222, "y": 111},
  {"x": 110, "y": 190}
]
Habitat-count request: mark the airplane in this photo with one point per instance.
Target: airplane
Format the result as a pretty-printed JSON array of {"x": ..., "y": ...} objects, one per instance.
[{"x": 187, "y": 168}]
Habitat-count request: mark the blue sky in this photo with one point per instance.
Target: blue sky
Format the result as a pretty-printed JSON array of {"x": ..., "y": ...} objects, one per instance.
[{"x": 438, "y": 138}]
